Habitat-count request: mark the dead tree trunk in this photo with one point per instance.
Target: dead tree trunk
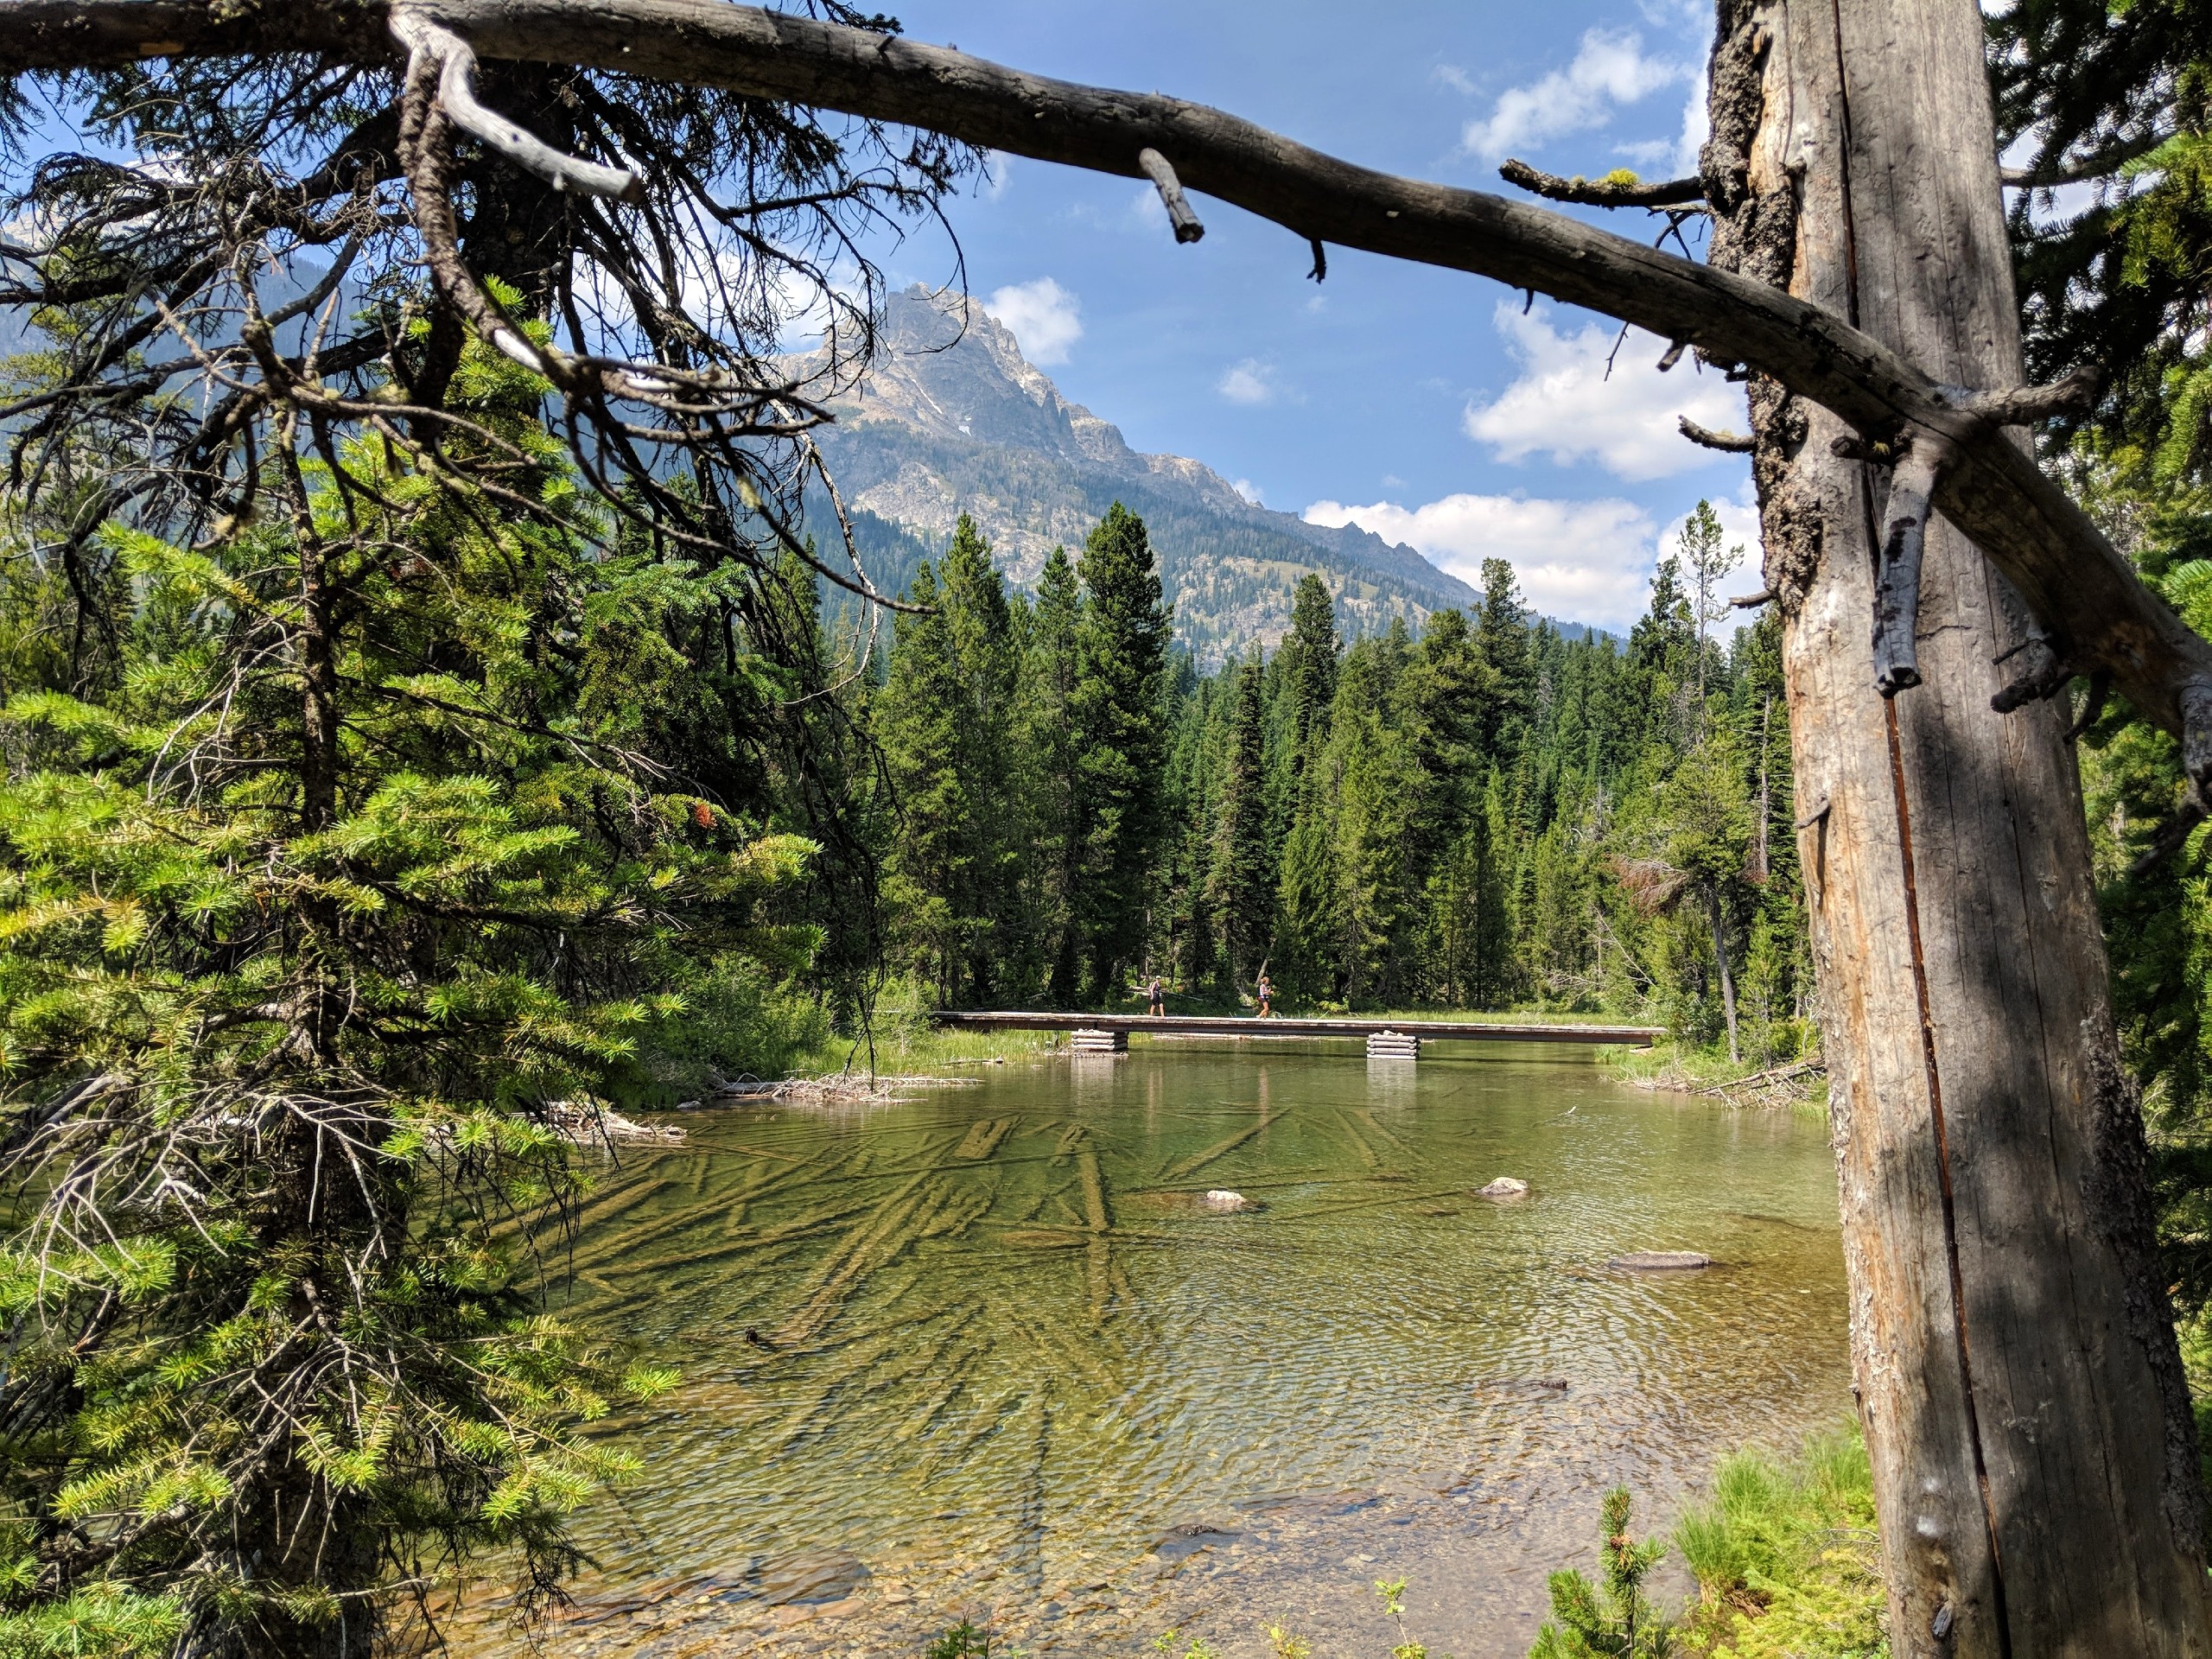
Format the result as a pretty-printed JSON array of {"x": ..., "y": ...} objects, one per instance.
[{"x": 2012, "y": 1351}]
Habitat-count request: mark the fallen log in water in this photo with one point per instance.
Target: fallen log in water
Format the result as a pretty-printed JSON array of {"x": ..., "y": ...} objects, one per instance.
[
  {"x": 982, "y": 1138},
  {"x": 831, "y": 1086},
  {"x": 586, "y": 1125},
  {"x": 1793, "y": 1080}
]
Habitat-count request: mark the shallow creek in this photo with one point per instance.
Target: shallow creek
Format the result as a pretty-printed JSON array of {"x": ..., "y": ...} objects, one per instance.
[{"x": 1009, "y": 1367}]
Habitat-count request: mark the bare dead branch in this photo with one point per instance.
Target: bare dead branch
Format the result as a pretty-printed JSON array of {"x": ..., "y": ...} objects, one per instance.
[
  {"x": 457, "y": 91},
  {"x": 1601, "y": 192},
  {"x": 1733, "y": 443},
  {"x": 2026, "y": 405},
  {"x": 2044, "y": 672}
]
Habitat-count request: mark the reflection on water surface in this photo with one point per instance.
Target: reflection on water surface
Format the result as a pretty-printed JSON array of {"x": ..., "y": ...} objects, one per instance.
[{"x": 987, "y": 1352}]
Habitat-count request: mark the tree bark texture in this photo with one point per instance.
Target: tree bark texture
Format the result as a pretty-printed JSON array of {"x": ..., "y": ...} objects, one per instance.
[{"x": 2012, "y": 1349}]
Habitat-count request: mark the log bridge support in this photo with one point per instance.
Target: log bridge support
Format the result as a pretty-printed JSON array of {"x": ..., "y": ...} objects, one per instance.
[{"x": 1398, "y": 1040}]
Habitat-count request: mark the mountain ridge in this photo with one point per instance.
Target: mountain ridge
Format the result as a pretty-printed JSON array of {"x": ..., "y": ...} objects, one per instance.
[{"x": 951, "y": 417}]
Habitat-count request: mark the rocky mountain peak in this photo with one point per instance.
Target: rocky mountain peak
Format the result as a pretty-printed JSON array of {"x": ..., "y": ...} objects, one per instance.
[{"x": 949, "y": 368}]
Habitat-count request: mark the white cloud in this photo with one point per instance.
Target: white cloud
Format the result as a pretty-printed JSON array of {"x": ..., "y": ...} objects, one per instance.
[
  {"x": 1147, "y": 212},
  {"x": 1608, "y": 69},
  {"x": 1456, "y": 78},
  {"x": 1697, "y": 127},
  {"x": 1249, "y": 489},
  {"x": 1580, "y": 561},
  {"x": 1251, "y": 382},
  {"x": 1690, "y": 18},
  {"x": 1044, "y": 318},
  {"x": 998, "y": 169},
  {"x": 1565, "y": 406},
  {"x": 1675, "y": 157}
]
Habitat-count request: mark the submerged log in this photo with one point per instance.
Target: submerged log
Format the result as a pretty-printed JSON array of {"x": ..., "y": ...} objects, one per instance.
[{"x": 1660, "y": 1261}]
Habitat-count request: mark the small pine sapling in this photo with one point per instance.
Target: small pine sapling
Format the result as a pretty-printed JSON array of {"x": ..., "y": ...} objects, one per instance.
[
  {"x": 967, "y": 1640},
  {"x": 1613, "y": 1619}
]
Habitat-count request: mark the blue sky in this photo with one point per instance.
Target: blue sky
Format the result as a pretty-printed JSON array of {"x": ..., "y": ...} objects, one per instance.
[{"x": 1421, "y": 402}]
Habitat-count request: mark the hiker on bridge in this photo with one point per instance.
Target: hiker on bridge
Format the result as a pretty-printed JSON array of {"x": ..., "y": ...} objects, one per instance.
[
  {"x": 1157, "y": 995},
  {"x": 1267, "y": 990}
]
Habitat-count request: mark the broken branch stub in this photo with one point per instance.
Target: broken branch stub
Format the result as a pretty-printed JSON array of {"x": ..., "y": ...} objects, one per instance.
[
  {"x": 2045, "y": 672},
  {"x": 1602, "y": 193},
  {"x": 1187, "y": 228},
  {"x": 1896, "y": 583},
  {"x": 2026, "y": 405},
  {"x": 1732, "y": 443}
]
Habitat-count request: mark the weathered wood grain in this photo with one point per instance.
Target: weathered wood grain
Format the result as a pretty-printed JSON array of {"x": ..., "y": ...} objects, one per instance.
[{"x": 2034, "y": 1463}]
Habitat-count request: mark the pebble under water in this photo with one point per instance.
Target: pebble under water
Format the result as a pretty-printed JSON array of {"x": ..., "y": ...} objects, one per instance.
[{"x": 989, "y": 1353}]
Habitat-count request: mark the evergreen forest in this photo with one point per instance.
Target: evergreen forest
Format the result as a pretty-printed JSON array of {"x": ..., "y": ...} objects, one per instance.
[{"x": 1484, "y": 814}]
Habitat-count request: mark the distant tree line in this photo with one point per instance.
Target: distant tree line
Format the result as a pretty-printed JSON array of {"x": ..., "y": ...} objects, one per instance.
[{"x": 1485, "y": 813}]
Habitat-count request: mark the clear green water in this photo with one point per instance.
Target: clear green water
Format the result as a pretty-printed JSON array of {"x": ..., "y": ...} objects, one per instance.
[{"x": 1018, "y": 1372}]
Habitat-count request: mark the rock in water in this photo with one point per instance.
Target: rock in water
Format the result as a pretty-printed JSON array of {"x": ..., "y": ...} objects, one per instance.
[
  {"x": 1660, "y": 1260},
  {"x": 1503, "y": 1187},
  {"x": 1223, "y": 1199}
]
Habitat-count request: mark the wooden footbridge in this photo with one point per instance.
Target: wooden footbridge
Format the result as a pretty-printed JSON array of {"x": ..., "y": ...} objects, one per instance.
[{"x": 1386, "y": 1038}]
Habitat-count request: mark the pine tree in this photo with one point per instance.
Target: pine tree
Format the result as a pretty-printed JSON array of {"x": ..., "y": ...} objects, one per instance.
[
  {"x": 1116, "y": 716},
  {"x": 1447, "y": 701},
  {"x": 410, "y": 831},
  {"x": 2117, "y": 99},
  {"x": 1309, "y": 664},
  {"x": 1613, "y": 1618},
  {"x": 1494, "y": 864},
  {"x": 1311, "y": 926},
  {"x": 1380, "y": 784},
  {"x": 1503, "y": 634},
  {"x": 1652, "y": 707},
  {"x": 1707, "y": 821},
  {"x": 917, "y": 720},
  {"x": 1709, "y": 564},
  {"x": 944, "y": 719},
  {"x": 1244, "y": 873},
  {"x": 1048, "y": 740}
]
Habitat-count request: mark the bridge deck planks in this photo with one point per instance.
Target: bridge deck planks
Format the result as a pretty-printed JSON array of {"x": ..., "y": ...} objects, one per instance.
[{"x": 1186, "y": 1024}]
